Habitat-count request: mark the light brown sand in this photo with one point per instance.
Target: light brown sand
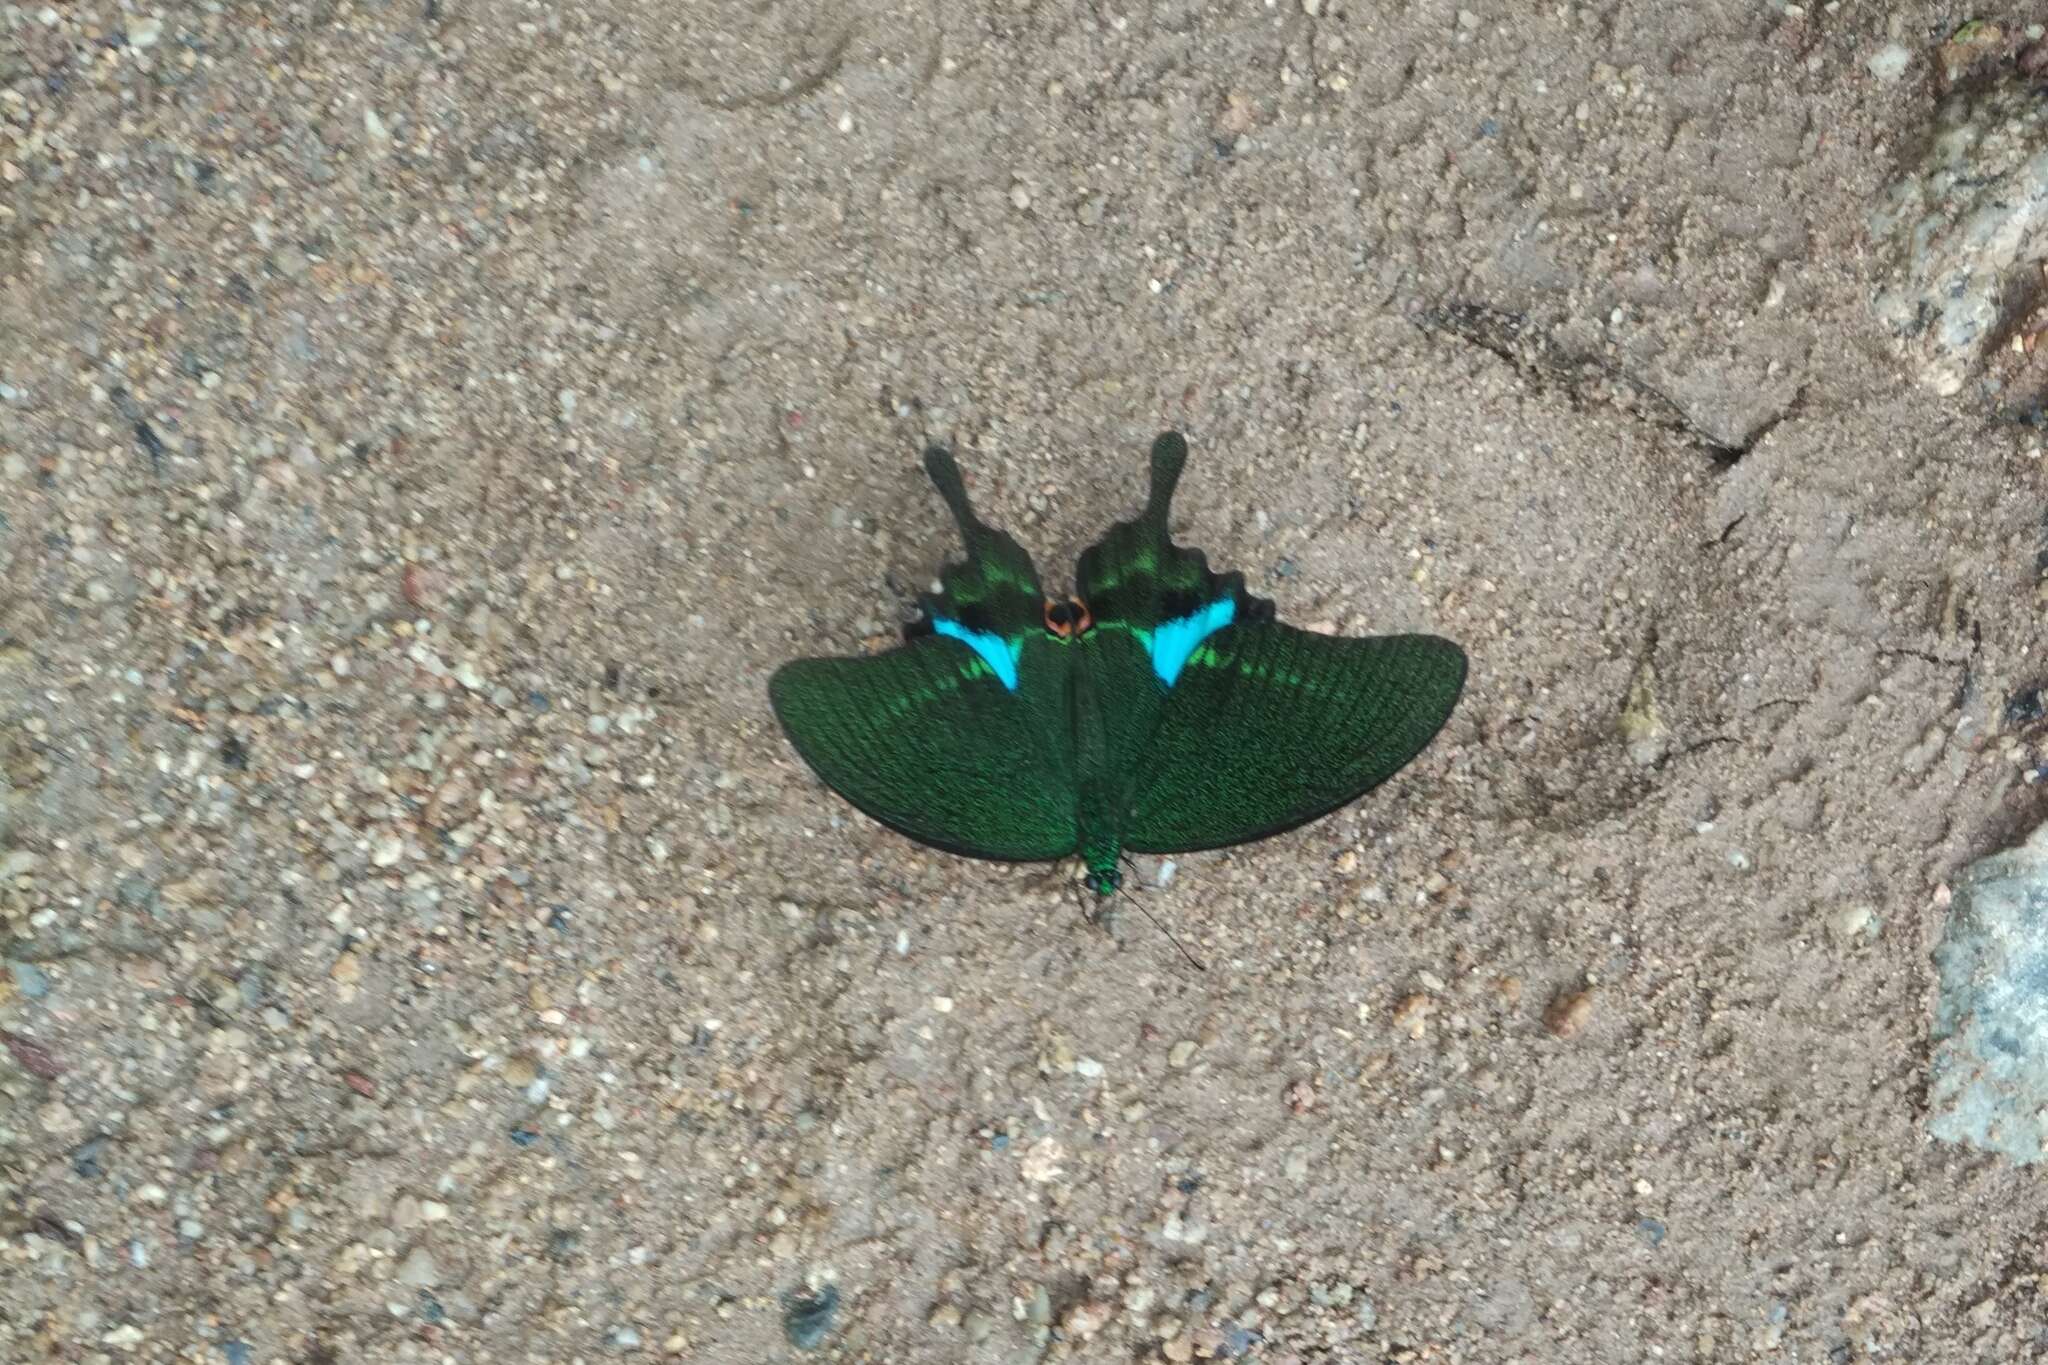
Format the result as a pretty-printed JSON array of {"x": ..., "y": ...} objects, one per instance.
[{"x": 393, "y": 986}]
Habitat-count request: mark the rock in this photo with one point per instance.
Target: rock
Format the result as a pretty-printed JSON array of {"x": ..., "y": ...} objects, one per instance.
[
  {"x": 1988, "y": 1076},
  {"x": 419, "y": 1270},
  {"x": 1955, "y": 225},
  {"x": 1042, "y": 1162},
  {"x": 1888, "y": 63},
  {"x": 57, "y": 1118},
  {"x": 1851, "y": 923},
  {"x": 1084, "y": 1320},
  {"x": 126, "y": 1337}
]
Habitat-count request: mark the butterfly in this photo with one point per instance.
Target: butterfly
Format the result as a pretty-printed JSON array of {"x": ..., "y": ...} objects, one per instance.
[{"x": 1159, "y": 709}]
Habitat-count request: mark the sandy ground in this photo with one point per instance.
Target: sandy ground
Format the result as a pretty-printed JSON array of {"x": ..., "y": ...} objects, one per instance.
[{"x": 424, "y": 426}]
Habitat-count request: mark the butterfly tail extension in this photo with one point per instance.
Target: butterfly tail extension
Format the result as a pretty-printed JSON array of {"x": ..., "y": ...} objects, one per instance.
[
  {"x": 990, "y": 600},
  {"x": 1169, "y": 458},
  {"x": 944, "y": 471}
]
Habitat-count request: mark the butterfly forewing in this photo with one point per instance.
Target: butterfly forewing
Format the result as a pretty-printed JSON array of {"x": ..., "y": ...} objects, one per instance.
[
  {"x": 961, "y": 738},
  {"x": 929, "y": 740},
  {"x": 1268, "y": 727}
]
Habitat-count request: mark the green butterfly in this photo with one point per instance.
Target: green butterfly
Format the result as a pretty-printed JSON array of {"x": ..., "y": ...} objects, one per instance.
[{"x": 1161, "y": 709}]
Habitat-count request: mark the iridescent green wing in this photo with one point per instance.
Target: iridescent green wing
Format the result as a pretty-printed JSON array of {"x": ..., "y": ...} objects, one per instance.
[
  {"x": 1226, "y": 725},
  {"x": 1268, "y": 727},
  {"x": 958, "y": 738},
  {"x": 1136, "y": 581},
  {"x": 1150, "y": 602}
]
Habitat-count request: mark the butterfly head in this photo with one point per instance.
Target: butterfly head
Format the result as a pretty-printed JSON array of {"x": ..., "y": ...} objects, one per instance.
[
  {"x": 1068, "y": 619},
  {"x": 1104, "y": 883}
]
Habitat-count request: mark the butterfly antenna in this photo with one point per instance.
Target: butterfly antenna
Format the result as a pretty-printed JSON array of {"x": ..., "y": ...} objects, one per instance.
[
  {"x": 1169, "y": 457},
  {"x": 1136, "y": 875},
  {"x": 945, "y": 476},
  {"x": 1160, "y": 925}
]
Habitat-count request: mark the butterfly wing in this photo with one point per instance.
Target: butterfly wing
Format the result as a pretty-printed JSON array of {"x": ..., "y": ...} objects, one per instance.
[
  {"x": 1269, "y": 727},
  {"x": 957, "y": 738},
  {"x": 1226, "y": 725},
  {"x": 1151, "y": 602},
  {"x": 927, "y": 740}
]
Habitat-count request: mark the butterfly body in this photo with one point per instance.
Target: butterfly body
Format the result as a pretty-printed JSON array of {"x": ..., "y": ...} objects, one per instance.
[{"x": 1161, "y": 709}]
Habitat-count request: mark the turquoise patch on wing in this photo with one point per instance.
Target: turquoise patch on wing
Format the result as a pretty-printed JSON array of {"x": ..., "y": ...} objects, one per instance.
[
  {"x": 994, "y": 650},
  {"x": 1173, "y": 641}
]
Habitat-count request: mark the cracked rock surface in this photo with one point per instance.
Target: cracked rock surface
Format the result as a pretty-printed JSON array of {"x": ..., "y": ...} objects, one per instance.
[
  {"x": 1989, "y": 1078},
  {"x": 1963, "y": 231}
]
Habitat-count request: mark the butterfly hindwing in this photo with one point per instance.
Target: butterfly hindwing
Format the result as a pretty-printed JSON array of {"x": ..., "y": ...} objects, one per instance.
[
  {"x": 1152, "y": 603},
  {"x": 1136, "y": 580},
  {"x": 958, "y": 738},
  {"x": 1268, "y": 727},
  {"x": 993, "y": 594}
]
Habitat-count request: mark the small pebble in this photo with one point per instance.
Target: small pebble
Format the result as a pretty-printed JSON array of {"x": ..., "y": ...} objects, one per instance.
[
  {"x": 1888, "y": 63},
  {"x": 1086, "y": 1319},
  {"x": 57, "y": 1117},
  {"x": 85, "y": 1158},
  {"x": 1569, "y": 1014},
  {"x": 1850, "y": 922},
  {"x": 807, "y": 1318},
  {"x": 29, "y": 979},
  {"x": 1411, "y": 1016},
  {"x": 419, "y": 1270},
  {"x": 1181, "y": 1053}
]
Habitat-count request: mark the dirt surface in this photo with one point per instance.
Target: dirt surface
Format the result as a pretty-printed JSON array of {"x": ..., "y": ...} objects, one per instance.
[{"x": 424, "y": 426}]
